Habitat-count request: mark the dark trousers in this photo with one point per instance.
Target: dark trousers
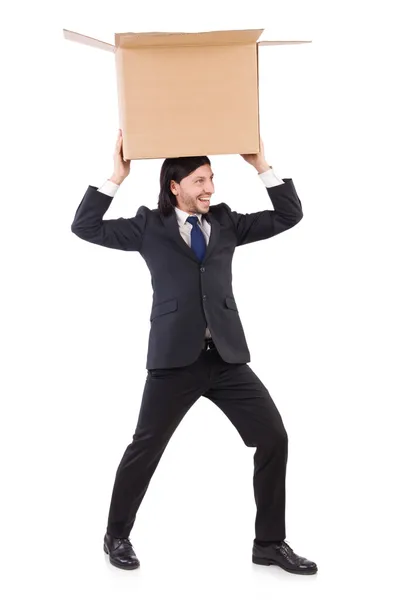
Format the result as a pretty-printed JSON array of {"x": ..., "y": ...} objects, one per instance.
[{"x": 239, "y": 393}]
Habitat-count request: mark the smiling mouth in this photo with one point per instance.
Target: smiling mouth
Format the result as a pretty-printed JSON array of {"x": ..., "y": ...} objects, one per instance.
[{"x": 205, "y": 199}]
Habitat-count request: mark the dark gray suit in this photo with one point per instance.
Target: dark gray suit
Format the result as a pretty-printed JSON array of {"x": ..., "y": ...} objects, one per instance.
[{"x": 188, "y": 294}]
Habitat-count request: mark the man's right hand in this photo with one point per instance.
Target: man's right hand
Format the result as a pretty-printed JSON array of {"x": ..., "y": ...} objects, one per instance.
[{"x": 121, "y": 166}]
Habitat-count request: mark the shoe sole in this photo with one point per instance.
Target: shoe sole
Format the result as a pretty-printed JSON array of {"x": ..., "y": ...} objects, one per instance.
[
  {"x": 115, "y": 564},
  {"x": 266, "y": 562}
]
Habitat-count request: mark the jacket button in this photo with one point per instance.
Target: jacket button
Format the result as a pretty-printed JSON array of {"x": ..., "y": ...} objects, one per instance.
[
  {"x": 204, "y": 297},
  {"x": 202, "y": 269}
]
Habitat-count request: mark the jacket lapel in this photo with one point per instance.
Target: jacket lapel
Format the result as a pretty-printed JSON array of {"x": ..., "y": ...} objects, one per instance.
[
  {"x": 172, "y": 228},
  {"x": 214, "y": 235}
]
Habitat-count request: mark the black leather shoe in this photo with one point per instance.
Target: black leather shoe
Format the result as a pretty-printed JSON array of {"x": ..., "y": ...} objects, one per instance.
[
  {"x": 283, "y": 556},
  {"x": 121, "y": 553}
]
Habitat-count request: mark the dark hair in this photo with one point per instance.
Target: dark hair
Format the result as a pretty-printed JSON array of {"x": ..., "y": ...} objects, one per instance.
[{"x": 176, "y": 169}]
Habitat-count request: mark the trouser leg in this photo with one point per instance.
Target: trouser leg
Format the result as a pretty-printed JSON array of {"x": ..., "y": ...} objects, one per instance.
[
  {"x": 240, "y": 394},
  {"x": 167, "y": 396}
]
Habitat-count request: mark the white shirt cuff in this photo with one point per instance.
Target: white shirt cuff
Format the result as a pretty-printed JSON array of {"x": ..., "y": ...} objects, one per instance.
[
  {"x": 109, "y": 188},
  {"x": 270, "y": 179}
]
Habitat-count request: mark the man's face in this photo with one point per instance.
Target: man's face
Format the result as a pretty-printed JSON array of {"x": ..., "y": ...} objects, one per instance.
[{"x": 193, "y": 193}]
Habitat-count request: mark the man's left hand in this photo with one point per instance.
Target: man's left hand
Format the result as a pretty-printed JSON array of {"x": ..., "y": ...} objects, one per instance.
[{"x": 257, "y": 160}]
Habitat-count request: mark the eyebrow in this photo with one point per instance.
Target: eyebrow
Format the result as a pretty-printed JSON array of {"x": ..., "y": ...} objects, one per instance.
[{"x": 202, "y": 176}]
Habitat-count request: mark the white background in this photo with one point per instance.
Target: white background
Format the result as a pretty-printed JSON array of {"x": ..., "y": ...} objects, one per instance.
[{"x": 317, "y": 304}]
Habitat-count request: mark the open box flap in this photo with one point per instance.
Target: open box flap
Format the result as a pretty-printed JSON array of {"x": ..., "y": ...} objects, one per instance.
[
  {"x": 88, "y": 41},
  {"x": 282, "y": 42},
  {"x": 208, "y": 38}
]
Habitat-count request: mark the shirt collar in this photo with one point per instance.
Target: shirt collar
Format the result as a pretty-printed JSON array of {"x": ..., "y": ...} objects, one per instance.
[{"x": 181, "y": 216}]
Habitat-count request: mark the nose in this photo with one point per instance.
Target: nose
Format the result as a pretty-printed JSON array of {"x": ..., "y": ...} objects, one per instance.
[{"x": 210, "y": 188}]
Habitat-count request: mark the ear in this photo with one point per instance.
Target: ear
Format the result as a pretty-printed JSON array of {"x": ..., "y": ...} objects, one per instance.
[{"x": 173, "y": 187}]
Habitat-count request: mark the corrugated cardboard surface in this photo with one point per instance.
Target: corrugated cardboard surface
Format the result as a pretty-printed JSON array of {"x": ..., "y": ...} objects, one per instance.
[{"x": 190, "y": 100}]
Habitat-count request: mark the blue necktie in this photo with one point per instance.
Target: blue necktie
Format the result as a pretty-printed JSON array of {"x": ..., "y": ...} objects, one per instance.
[{"x": 198, "y": 244}]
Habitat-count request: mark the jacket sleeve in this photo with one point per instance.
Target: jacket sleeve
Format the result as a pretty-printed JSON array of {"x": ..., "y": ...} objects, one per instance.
[
  {"x": 287, "y": 212},
  {"x": 120, "y": 234}
]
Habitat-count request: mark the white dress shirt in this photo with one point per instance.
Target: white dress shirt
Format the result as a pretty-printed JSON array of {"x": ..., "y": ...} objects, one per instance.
[{"x": 269, "y": 178}]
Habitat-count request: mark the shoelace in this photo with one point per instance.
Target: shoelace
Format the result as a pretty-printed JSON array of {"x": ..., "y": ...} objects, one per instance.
[
  {"x": 124, "y": 541},
  {"x": 287, "y": 551}
]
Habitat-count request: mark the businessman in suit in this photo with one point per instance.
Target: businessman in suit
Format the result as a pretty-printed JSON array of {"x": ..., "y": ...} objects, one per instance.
[{"x": 197, "y": 345}]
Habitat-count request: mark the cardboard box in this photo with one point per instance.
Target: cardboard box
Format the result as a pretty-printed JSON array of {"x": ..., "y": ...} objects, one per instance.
[{"x": 187, "y": 94}]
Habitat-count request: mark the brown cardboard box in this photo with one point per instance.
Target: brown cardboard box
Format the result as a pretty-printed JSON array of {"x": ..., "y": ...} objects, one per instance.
[{"x": 186, "y": 94}]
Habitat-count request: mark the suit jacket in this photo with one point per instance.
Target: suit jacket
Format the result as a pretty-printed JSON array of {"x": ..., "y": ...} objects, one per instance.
[{"x": 187, "y": 293}]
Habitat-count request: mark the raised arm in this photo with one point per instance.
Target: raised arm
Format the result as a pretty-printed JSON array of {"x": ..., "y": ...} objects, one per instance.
[
  {"x": 121, "y": 233},
  {"x": 253, "y": 227}
]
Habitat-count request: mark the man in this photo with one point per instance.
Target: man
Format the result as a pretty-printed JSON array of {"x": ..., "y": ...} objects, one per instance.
[{"x": 197, "y": 345}]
